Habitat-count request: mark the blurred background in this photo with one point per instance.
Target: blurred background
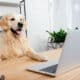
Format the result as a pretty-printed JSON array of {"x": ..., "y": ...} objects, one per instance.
[{"x": 43, "y": 15}]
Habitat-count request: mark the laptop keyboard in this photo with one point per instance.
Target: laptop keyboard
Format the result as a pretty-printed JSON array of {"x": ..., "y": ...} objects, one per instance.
[{"x": 51, "y": 69}]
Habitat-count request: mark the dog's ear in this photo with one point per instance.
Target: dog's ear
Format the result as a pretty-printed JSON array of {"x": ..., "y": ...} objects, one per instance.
[{"x": 4, "y": 23}]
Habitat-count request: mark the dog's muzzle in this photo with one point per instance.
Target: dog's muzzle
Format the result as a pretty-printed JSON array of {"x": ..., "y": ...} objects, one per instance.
[
  {"x": 20, "y": 25},
  {"x": 19, "y": 28}
]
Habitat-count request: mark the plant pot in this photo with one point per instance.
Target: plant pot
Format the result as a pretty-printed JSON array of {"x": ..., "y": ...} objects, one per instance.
[{"x": 57, "y": 45}]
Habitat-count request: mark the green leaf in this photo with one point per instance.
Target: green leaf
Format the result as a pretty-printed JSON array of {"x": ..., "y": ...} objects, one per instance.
[{"x": 57, "y": 36}]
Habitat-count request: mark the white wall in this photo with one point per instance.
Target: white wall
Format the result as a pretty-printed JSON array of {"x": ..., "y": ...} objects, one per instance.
[
  {"x": 62, "y": 14},
  {"x": 4, "y": 9},
  {"x": 76, "y": 13},
  {"x": 10, "y": 1},
  {"x": 66, "y": 14},
  {"x": 59, "y": 12},
  {"x": 38, "y": 18},
  {"x": 43, "y": 15}
]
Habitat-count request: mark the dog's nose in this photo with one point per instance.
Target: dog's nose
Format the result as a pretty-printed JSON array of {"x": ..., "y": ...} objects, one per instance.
[{"x": 20, "y": 25}]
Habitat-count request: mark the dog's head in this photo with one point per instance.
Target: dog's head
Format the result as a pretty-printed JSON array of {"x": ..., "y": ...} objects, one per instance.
[{"x": 14, "y": 22}]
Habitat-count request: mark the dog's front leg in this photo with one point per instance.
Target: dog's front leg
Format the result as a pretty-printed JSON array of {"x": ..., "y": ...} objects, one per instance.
[{"x": 32, "y": 54}]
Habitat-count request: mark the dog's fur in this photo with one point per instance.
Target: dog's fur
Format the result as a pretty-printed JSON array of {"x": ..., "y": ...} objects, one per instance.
[{"x": 13, "y": 40}]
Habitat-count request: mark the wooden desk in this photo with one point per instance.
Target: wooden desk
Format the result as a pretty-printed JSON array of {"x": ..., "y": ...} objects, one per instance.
[{"x": 16, "y": 69}]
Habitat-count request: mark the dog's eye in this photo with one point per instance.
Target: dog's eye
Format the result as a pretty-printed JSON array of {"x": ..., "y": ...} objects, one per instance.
[{"x": 12, "y": 19}]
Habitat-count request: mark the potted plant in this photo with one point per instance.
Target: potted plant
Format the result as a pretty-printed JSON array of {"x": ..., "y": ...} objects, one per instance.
[{"x": 57, "y": 38}]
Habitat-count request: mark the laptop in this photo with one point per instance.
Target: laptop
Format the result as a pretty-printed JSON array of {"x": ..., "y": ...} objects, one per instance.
[{"x": 70, "y": 57}]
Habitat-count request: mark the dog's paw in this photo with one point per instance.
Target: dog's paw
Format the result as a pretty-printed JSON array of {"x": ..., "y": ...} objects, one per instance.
[
  {"x": 37, "y": 57},
  {"x": 42, "y": 58}
]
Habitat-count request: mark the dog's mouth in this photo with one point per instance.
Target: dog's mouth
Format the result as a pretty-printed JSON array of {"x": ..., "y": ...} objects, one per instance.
[{"x": 17, "y": 31}]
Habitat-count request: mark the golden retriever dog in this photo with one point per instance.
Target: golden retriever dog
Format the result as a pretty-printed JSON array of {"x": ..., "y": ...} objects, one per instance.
[{"x": 13, "y": 40}]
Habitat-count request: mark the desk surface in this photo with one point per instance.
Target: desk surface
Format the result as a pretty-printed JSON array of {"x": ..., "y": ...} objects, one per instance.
[{"x": 16, "y": 69}]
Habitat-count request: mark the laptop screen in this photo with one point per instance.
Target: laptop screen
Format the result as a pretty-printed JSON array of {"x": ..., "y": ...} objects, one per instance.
[{"x": 70, "y": 57}]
